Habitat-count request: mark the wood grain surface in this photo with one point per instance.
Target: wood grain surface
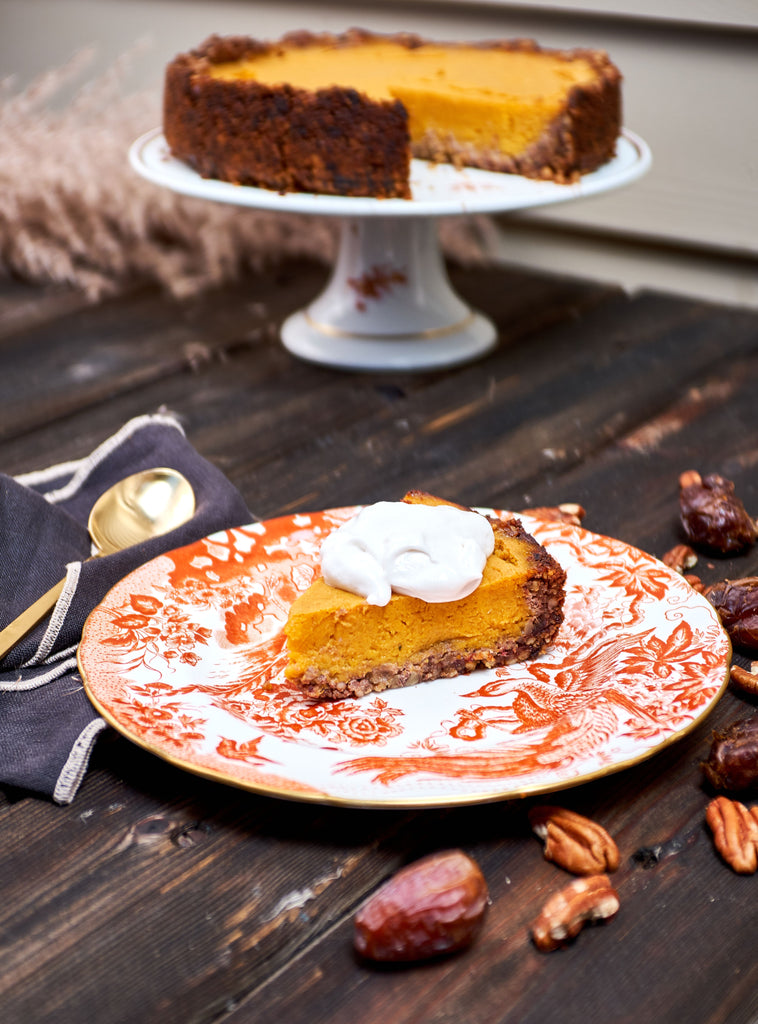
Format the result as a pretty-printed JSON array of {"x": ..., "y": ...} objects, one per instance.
[{"x": 158, "y": 896}]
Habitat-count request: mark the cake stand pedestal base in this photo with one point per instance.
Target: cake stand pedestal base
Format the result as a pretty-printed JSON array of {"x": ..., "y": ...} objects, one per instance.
[{"x": 389, "y": 304}]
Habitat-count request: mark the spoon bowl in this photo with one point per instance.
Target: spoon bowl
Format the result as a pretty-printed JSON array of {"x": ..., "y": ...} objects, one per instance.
[
  {"x": 140, "y": 507},
  {"x": 137, "y": 508}
]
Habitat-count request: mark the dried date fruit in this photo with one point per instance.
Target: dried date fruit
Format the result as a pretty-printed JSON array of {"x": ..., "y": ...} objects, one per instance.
[
  {"x": 732, "y": 763},
  {"x": 428, "y": 908},
  {"x": 712, "y": 515},
  {"x": 736, "y": 601}
]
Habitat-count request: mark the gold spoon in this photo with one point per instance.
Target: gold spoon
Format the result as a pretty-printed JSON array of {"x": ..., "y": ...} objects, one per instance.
[{"x": 142, "y": 506}]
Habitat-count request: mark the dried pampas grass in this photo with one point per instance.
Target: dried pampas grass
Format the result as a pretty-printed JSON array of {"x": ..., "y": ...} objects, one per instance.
[{"x": 73, "y": 211}]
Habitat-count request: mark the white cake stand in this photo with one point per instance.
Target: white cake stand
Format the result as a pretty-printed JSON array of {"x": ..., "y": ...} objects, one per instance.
[{"x": 389, "y": 304}]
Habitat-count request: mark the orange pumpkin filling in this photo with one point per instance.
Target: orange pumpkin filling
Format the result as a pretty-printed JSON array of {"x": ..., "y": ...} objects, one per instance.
[{"x": 339, "y": 645}]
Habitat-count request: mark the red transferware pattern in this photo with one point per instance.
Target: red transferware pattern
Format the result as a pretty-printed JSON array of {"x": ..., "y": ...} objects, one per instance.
[{"x": 186, "y": 656}]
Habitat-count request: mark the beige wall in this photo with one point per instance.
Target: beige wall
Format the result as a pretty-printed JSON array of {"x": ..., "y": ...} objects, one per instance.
[{"x": 691, "y": 90}]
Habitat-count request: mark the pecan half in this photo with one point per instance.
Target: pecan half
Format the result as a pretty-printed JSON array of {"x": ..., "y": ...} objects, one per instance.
[
  {"x": 747, "y": 681},
  {"x": 695, "y": 582},
  {"x": 735, "y": 833},
  {"x": 680, "y": 557},
  {"x": 574, "y": 842},
  {"x": 568, "y": 512},
  {"x": 566, "y": 912}
]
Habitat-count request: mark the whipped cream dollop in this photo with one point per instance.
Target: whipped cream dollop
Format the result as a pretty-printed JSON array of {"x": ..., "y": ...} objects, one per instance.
[{"x": 433, "y": 552}]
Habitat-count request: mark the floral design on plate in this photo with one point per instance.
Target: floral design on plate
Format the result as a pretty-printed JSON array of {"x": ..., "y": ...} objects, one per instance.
[{"x": 186, "y": 657}]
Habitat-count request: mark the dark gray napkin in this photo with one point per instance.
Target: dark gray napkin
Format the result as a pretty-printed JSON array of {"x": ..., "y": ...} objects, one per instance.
[{"x": 47, "y": 725}]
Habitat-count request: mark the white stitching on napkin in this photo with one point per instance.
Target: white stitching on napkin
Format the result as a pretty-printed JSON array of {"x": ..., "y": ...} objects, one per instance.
[
  {"x": 85, "y": 466},
  {"x": 61, "y": 654},
  {"x": 39, "y": 476},
  {"x": 62, "y": 605},
  {"x": 73, "y": 770},
  {"x": 58, "y": 670}
]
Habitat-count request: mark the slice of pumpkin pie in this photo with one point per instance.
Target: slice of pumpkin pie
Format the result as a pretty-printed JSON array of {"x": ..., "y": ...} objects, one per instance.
[{"x": 418, "y": 590}]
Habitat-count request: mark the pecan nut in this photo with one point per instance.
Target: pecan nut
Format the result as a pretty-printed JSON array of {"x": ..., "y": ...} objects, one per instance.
[
  {"x": 746, "y": 681},
  {"x": 566, "y": 912},
  {"x": 574, "y": 842},
  {"x": 567, "y": 512},
  {"x": 735, "y": 833},
  {"x": 695, "y": 582},
  {"x": 433, "y": 906},
  {"x": 680, "y": 557}
]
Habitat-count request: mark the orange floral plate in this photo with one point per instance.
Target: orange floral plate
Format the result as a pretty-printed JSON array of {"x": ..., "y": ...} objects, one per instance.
[{"x": 185, "y": 656}]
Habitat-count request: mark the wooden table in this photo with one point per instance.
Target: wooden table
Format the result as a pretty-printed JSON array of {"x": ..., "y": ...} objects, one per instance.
[{"x": 158, "y": 896}]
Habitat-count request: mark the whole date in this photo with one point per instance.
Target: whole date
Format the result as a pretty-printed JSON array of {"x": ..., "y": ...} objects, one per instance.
[
  {"x": 712, "y": 515},
  {"x": 732, "y": 764},
  {"x": 433, "y": 906},
  {"x": 736, "y": 601}
]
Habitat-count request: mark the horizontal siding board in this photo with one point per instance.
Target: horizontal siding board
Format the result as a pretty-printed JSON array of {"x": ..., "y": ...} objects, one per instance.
[
  {"x": 691, "y": 96},
  {"x": 724, "y": 13}
]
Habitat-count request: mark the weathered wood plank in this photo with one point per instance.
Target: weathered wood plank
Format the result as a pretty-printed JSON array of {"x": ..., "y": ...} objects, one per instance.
[
  {"x": 104, "y": 364},
  {"x": 498, "y": 427},
  {"x": 227, "y": 905},
  {"x": 206, "y": 888},
  {"x": 25, "y": 306}
]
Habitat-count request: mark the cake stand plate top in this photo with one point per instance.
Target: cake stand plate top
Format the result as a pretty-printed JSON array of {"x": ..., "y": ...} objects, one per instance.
[{"x": 438, "y": 190}]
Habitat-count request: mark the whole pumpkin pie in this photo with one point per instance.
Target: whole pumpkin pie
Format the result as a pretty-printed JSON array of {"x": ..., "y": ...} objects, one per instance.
[
  {"x": 344, "y": 114},
  {"x": 340, "y": 645}
]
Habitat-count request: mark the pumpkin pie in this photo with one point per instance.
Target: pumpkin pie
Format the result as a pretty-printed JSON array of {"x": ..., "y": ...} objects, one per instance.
[
  {"x": 344, "y": 114},
  {"x": 339, "y": 645}
]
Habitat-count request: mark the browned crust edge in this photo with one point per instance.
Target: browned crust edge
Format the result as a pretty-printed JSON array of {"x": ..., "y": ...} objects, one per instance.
[
  {"x": 334, "y": 141},
  {"x": 545, "y": 597},
  {"x": 339, "y": 142}
]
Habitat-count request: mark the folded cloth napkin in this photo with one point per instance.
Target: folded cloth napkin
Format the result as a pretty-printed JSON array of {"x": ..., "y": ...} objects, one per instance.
[{"x": 47, "y": 725}]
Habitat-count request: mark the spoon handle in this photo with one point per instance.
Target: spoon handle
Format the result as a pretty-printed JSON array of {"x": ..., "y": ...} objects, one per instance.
[{"x": 29, "y": 618}]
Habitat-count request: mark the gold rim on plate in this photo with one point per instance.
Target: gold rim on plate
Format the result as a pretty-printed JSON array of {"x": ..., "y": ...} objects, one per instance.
[{"x": 185, "y": 657}]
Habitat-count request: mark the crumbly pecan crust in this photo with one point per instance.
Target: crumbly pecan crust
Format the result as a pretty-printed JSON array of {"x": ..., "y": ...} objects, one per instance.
[
  {"x": 434, "y": 664},
  {"x": 277, "y": 137}
]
